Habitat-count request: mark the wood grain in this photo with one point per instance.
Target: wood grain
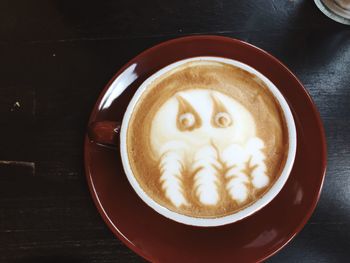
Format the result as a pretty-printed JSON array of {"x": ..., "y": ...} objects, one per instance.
[{"x": 55, "y": 58}]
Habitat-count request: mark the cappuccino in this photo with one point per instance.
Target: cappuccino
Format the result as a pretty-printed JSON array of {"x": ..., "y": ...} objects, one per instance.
[{"x": 206, "y": 139}]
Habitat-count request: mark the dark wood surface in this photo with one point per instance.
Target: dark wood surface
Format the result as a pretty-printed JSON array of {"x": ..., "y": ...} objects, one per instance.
[{"x": 55, "y": 58}]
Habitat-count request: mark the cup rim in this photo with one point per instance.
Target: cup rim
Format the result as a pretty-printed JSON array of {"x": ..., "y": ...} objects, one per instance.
[{"x": 241, "y": 214}]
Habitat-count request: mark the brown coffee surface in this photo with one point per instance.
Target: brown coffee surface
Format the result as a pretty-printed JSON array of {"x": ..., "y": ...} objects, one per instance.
[{"x": 207, "y": 139}]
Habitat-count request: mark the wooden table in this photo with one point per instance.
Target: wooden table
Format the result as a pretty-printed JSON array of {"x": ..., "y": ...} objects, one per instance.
[{"x": 55, "y": 58}]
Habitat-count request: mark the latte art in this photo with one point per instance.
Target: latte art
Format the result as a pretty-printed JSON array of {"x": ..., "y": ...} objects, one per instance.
[
  {"x": 206, "y": 139},
  {"x": 219, "y": 142}
]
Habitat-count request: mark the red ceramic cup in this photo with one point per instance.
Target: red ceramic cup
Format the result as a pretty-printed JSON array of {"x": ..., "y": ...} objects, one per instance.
[{"x": 106, "y": 133}]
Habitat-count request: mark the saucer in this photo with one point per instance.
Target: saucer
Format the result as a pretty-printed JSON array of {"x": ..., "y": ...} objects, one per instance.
[{"x": 159, "y": 239}]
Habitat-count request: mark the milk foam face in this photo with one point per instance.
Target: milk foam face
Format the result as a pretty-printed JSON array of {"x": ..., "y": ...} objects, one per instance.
[
  {"x": 207, "y": 141},
  {"x": 204, "y": 149}
]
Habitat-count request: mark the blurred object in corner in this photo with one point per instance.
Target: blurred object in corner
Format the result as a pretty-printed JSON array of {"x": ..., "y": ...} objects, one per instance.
[{"x": 338, "y": 10}]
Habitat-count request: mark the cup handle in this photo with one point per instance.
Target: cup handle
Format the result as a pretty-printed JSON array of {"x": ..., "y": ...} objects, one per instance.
[{"x": 105, "y": 133}]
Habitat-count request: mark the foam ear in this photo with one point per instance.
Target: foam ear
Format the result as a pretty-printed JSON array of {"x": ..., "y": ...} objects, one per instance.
[
  {"x": 220, "y": 116},
  {"x": 186, "y": 109}
]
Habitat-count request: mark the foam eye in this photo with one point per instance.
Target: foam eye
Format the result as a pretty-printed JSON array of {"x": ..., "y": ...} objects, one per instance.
[
  {"x": 222, "y": 120},
  {"x": 187, "y": 120}
]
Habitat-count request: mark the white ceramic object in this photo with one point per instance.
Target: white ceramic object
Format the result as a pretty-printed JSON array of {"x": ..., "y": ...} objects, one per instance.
[{"x": 338, "y": 10}]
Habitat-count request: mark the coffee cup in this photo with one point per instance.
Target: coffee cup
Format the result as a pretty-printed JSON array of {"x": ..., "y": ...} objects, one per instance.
[{"x": 205, "y": 141}]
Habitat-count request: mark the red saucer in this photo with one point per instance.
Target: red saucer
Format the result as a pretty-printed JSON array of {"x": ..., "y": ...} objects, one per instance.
[{"x": 159, "y": 239}]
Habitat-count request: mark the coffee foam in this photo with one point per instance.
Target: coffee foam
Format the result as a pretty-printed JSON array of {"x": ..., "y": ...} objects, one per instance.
[
  {"x": 207, "y": 139},
  {"x": 183, "y": 151}
]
